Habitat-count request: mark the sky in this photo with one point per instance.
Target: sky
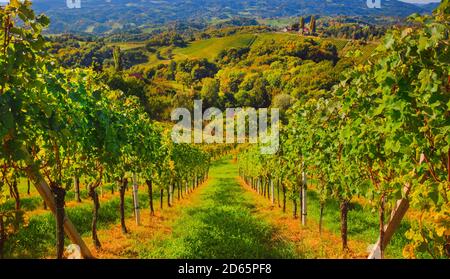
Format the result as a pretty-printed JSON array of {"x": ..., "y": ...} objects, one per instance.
[{"x": 421, "y": 1}]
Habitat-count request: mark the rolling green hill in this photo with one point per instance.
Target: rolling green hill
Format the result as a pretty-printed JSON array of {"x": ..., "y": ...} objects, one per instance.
[{"x": 210, "y": 48}]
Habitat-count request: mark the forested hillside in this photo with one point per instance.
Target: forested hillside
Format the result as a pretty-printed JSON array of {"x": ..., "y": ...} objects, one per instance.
[{"x": 100, "y": 16}]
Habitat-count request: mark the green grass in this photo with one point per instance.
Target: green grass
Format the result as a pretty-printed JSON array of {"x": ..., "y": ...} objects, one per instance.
[
  {"x": 339, "y": 43},
  {"x": 36, "y": 237},
  {"x": 220, "y": 225},
  {"x": 26, "y": 203},
  {"x": 362, "y": 223},
  {"x": 210, "y": 48},
  {"x": 34, "y": 201}
]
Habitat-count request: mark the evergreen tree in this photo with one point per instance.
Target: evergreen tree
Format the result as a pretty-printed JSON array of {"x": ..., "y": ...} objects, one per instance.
[
  {"x": 117, "y": 55},
  {"x": 313, "y": 25}
]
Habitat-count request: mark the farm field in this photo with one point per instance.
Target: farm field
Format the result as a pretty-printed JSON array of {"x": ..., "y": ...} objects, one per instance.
[
  {"x": 211, "y": 47},
  {"x": 208, "y": 49},
  {"x": 223, "y": 218}
]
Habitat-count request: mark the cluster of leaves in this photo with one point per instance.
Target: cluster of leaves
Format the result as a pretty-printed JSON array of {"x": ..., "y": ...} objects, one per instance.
[
  {"x": 382, "y": 133},
  {"x": 253, "y": 76},
  {"x": 57, "y": 124},
  {"x": 88, "y": 52},
  {"x": 72, "y": 51},
  {"x": 186, "y": 72},
  {"x": 165, "y": 39},
  {"x": 355, "y": 31}
]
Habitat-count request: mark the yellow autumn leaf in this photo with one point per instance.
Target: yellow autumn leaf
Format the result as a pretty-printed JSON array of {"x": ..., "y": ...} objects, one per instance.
[
  {"x": 440, "y": 231},
  {"x": 408, "y": 252}
]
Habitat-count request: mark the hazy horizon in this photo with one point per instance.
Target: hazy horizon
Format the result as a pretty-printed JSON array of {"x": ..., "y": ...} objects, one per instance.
[{"x": 420, "y": 1}]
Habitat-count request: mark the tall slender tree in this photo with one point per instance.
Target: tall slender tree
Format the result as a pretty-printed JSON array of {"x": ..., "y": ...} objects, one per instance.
[
  {"x": 117, "y": 56},
  {"x": 312, "y": 25},
  {"x": 302, "y": 24}
]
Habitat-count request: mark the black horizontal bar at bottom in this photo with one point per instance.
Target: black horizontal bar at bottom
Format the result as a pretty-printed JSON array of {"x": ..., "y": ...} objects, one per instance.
[{"x": 223, "y": 268}]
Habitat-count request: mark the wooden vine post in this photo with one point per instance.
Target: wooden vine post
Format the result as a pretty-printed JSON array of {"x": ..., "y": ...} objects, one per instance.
[
  {"x": 45, "y": 192},
  {"x": 304, "y": 210},
  {"x": 137, "y": 213},
  {"x": 272, "y": 192},
  {"x": 397, "y": 215}
]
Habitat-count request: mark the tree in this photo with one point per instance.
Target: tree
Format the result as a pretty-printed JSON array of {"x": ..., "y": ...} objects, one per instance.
[
  {"x": 117, "y": 57},
  {"x": 41, "y": 142},
  {"x": 312, "y": 25},
  {"x": 210, "y": 92},
  {"x": 302, "y": 24},
  {"x": 57, "y": 124},
  {"x": 383, "y": 132},
  {"x": 283, "y": 102},
  {"x": 184, "y": 78}
]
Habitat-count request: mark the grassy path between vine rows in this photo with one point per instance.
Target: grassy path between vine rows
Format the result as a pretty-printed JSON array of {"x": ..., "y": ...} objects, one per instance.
[
  {"x": 222, "y": 219},
  {"x": 216, "y": 221}
]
